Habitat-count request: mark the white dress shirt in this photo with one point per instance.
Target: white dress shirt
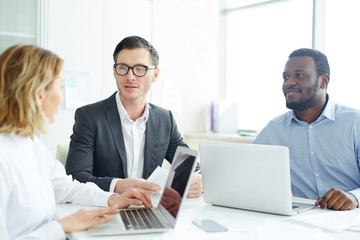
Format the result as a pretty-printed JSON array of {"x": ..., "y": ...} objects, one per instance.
[
  {"x": 134, "y": 139},
  {"x": 31, "y": 182}
]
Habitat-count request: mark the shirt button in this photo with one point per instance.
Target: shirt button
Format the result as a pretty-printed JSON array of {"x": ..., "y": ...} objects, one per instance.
[
  {"x": 312, "y": 152},
  {"x": 317, "y": 174},
  {"x": 310, "y": 126}
]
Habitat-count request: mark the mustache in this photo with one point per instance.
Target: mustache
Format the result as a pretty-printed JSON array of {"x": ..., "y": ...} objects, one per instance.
[{"x": 290, "y": 89}]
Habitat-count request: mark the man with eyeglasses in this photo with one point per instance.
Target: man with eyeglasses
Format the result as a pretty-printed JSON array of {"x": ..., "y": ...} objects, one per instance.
[{"x": 118, "y": 142}]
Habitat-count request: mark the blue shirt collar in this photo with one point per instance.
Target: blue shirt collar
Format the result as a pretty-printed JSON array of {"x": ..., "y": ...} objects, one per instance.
[{"x": 329, "y": 111}]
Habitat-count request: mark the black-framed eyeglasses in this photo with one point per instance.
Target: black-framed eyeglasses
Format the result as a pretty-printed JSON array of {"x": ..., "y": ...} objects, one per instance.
[{"x": 138, "y": 70}]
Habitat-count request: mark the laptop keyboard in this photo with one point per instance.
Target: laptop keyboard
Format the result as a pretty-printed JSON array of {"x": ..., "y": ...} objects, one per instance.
[{"x": 140, "y": 219}]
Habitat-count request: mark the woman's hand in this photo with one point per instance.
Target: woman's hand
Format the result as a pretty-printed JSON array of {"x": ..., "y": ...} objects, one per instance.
[{"x": 85, "y": 219}]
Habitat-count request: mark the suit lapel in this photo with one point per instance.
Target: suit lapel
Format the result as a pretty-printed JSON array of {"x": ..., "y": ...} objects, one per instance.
[
  {"x": 150, "y": 136},
  {"x": 112, "y": 115}
]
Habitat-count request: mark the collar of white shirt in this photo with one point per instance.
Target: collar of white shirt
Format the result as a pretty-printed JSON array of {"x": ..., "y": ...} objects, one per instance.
[{"x": 124, "y": 116}]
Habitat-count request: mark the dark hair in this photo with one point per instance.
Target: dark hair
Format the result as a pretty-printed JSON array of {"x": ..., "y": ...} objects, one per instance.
[
  {"x": 137, "y": 42},
  {"x": 320, "y": 59}
]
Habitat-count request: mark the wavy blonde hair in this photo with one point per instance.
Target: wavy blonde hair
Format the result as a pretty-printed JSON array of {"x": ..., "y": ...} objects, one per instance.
[{"x": 25, "y": 71}]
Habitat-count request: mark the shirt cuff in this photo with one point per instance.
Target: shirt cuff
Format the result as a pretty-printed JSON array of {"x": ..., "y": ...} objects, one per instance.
[
  {"x": 112, "y": 185},
  {"x": 356, "y": 193},
  {"x": 101, "y": 199},
  {"x": 51, "y": 230}
]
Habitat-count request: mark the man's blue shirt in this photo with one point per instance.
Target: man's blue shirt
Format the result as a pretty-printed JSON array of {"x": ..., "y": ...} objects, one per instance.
[{"x": 323, "y": 154}]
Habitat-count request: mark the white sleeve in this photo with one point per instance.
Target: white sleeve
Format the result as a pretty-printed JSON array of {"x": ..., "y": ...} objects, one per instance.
[
  {"x": 68, "y": 190},
  {"x": 113, "y": 184},
  {"x": 4, "y": 199},
  {"x": 51, "y": 230}
]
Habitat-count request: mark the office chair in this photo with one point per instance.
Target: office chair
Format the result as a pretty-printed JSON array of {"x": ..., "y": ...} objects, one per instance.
[{"x": 62, "y": 152}]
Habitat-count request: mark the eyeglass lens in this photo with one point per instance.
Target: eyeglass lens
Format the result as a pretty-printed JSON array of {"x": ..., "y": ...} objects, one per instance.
[{"x": 137, "y": 70}]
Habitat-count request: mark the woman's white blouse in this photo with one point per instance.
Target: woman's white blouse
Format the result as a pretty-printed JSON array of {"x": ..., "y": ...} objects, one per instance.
[{"x": 31, "y": 183}]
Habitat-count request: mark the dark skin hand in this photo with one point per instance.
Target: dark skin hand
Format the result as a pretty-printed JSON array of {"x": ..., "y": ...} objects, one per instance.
[{"x": 338, "y": 200}]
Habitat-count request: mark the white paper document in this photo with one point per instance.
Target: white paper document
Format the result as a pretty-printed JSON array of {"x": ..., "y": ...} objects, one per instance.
[
  {"x": 332, "y": 220},
  {"x": 158, "y": 177}
]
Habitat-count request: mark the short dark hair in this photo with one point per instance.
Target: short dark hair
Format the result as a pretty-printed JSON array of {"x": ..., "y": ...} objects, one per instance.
[
  {"x": 137, "y": 42},
  {"x": 320, "y": 59}
]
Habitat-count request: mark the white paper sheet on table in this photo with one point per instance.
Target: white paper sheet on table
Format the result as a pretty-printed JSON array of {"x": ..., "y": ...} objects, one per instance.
[{"x": 334, "y": 220}]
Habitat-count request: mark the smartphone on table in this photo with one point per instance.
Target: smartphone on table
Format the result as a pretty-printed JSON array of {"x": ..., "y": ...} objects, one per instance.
[{"x": 209, "y": 225}]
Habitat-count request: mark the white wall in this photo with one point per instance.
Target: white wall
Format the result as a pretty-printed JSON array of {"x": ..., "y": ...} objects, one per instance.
[
  {"x": 74, "y": 33},
  {"x": 120, "y": 21},
  {"x": 184, "y": 32},
  {"x": 186, "y": 35},
  {"x": 84, "y": 33}
]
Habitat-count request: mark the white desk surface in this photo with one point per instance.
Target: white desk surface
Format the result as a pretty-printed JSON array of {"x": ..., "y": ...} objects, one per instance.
[{"x": 241, "y": 224}]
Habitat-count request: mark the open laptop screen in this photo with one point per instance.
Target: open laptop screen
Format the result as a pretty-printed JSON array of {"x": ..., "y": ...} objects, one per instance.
[
  {"x": 179, "y": 176},
  {"x": 169, "y": 201}
]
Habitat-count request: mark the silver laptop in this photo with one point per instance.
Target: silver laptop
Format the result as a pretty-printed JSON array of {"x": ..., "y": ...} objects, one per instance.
[
  {"x": 248, "y": 176},
  {"x": 162, "y": 217}
]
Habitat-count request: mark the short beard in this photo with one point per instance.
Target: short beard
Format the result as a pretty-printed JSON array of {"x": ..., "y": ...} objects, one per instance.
[{"x": 304, "y": 104}]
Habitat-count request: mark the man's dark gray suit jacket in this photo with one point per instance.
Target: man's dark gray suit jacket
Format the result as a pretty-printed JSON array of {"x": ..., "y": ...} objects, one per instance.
[{"x": 97, "y": 150}]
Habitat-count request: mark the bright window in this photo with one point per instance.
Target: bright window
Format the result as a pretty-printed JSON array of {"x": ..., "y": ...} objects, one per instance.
[
  {"x": 258, "y": 42},
  {"x": 342, "y": 47}
]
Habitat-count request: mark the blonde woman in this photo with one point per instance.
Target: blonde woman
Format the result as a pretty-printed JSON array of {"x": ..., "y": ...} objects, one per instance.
[{"x": 32, "y": 181}]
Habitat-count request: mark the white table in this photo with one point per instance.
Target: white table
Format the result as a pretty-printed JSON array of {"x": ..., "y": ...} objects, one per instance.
[{"x": 241, "y": 224}]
